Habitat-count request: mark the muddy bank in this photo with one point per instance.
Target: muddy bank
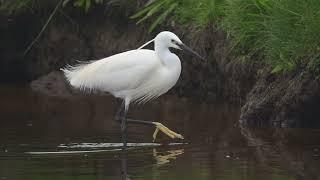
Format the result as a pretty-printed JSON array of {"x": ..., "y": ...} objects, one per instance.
[
  {"x": 289, "y": 99},
  {"x": 221, "y": 78},
  {"x": 285, "y": 99}
]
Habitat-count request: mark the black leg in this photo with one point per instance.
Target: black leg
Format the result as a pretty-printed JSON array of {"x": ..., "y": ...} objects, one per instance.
[
  {"x": 121, "y": 117},
  {"x": 124, "y": 166},
  {"x": 124, "y": 132},
  {"x": 120, "y": 112}
]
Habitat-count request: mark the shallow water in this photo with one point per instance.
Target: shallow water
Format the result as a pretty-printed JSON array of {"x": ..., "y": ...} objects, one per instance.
[{"x": 215, "y": 147}]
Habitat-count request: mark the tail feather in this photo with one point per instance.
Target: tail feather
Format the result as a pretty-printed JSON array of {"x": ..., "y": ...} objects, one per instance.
[{"x": 78, "y": 75}]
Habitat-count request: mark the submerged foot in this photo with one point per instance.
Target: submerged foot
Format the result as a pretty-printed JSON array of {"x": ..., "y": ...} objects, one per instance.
[{"x": 166, "y": 131}]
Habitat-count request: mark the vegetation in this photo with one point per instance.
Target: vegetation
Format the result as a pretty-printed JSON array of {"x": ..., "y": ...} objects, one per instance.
[
  {"x": 285, "y": 32},
  {"x": 16, "y": 5},
  {"x": 197, "y": 12}
]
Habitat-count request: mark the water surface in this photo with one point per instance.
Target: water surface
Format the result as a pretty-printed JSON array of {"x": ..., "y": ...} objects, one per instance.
[{"x": 215, "y": 147}]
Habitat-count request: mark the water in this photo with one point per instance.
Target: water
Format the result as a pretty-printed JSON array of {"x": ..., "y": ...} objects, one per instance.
[{"x": 215, "y": 147}]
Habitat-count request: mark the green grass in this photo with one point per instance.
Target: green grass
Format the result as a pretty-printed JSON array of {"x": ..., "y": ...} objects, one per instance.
[
  {"x": 285, "y": 32},
  {"x": 201, "y": 13},
  {"x": 197, "y": 13},
  {"x": 293, "y": 33},
  {"x": 159, "y": 8},
  {"x": 245, "y": 25}
]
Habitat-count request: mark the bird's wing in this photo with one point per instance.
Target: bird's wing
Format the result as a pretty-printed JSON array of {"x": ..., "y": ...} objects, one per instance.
[{"x": 119, "y": 72}]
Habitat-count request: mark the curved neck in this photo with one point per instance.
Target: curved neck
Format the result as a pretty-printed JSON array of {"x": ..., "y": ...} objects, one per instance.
[{"x": 163, "y": 53}]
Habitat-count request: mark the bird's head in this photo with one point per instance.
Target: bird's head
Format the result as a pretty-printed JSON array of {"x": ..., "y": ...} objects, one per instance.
[{"x": 168, "y": 39}]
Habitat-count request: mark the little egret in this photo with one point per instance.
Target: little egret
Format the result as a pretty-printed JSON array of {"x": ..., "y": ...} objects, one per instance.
[{"x": 137, "y": 75}]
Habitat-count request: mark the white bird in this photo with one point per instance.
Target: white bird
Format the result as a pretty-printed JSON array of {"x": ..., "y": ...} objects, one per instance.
[{"x": 134, "y": 76}]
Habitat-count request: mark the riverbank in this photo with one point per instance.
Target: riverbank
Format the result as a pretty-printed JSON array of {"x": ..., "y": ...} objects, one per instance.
[{"x": 286, "y": 99}]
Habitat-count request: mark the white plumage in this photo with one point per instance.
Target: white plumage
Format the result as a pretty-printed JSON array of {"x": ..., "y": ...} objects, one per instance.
[{"x": 136, "y": 75}]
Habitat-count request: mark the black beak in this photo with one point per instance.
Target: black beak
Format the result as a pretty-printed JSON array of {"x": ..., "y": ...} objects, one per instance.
[{"x": 185, "y": 47}]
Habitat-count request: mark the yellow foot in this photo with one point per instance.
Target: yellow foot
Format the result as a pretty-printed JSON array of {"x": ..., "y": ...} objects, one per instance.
[{"x": 165, "y": 130}]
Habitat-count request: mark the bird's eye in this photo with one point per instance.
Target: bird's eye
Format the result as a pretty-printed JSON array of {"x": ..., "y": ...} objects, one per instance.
[{"x": 173, "y": 41}]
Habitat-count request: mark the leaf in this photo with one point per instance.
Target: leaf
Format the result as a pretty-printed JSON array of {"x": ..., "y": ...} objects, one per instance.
[
  {"x": 65, "y": 2},
  {"x": 79, "y": 3},
  {"x": 277, "y": 69},
  {"x": 87, "y": 5},
  {"x": 146, "y": 9},
  {"x": 162, "y": 17},
  {"x": 151, "y": 12}
]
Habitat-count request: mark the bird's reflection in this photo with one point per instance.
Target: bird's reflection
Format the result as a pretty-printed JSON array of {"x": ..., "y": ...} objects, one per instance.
[
  {"x": 169, "y": 156},
  {"x": 161, "y": 159},
  {"x": 124, "y": 165}
]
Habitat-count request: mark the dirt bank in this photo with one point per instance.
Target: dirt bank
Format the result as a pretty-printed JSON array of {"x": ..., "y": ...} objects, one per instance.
[
  {"x": 289, "y": 99},
  {"x": 285, "y": 99}
]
